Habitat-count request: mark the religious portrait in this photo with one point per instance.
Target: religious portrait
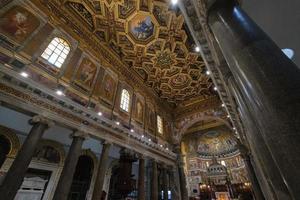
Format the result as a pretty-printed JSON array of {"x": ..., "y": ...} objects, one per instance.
[
  {"x": 86, "y": 73},
  {"x": 18, "y": 23},
  {"x": 142, "y": 27},
  {"x": 108, "y": 88},
  {"x": 139, "y": 111},
  {"x": 151, "y": 119}
]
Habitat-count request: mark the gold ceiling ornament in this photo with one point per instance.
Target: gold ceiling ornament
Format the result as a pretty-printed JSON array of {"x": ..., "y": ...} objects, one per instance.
[{"x": 151, "y": 39}]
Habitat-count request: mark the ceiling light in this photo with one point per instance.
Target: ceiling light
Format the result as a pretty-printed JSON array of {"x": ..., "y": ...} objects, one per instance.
[
  {"x": 207, "y": 72},
  {"x": 131, "y": 130},
  {"x": 100, "y": 113},
  {"x": 197, "y": 49},
  {"x": 24, "y": 74},
  {"x": 234, "y": 128},
  {"x": 59, "y": 92},
  {"x": 288, "y": 52},
  {"x": 149, "y": 140},
  {"x": 161, "y": 145},
  {"x": 174, "y": 2},
  {"x": 228, "y": 116},
  {"x": 215, "y": 88},
  {"x": 167, "y": 149},
  {"x": 142, "y": 136},
  {"x": 118, "y": 123},
  {"x": 223, "y": 105}
]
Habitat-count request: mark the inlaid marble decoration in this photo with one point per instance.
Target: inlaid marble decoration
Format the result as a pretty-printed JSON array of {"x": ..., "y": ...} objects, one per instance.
[
  {"x": 18, "y": 23},
  {"x": 86, "y": 73}
]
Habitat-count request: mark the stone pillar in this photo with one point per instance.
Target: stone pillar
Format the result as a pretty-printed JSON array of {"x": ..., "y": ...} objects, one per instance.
[
  {"x": 102, "y": 168},
  {"x": 66, "y": 177},
  {"x": 165, "y": 182},
  {"x": 182, "y": 178},
  {"x": 175, "y": 184},
  {"x": 14, "y": 177},
  {"x": 154, "y": 185},
  {"x": 269, "y": 83},
  {"x": 141, "y": 179},
  {"x": 251, "y": 173}
]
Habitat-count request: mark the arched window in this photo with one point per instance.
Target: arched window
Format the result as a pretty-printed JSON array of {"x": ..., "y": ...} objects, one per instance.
[
  {"x": 125, "y": 99},
  {"x": 56, "y": 52},
  {"x": 160, "y": 125}
]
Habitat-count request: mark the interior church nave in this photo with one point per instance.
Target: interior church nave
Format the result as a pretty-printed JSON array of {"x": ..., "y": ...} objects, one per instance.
[{"x": 149, "y": 100}]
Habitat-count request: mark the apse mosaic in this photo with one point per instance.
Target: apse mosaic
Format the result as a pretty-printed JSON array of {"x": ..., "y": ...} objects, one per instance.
[{"x": 152, "y": 41}]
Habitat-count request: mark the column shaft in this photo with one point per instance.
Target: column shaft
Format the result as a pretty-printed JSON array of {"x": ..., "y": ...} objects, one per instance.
[
  {"x": 165, "y": 184},
  {"x": 14, "y": 177},
  {"x": 269, "y": 82},
  {"x": 66, "y": 177},
  {"x": 102, "y": 168},
  {"x": 183, "y": 184},
  {"x": 154, "y": 188},
  {"x": 175, "y": 184},
  {"x": 141, "y": 179}
]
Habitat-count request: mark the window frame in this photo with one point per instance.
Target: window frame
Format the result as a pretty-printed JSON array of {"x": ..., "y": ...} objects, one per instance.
[
  {"x": 160, "y": 124},
  {"x": 125, "y": 100},
  {"x": 57, "y": 46}
]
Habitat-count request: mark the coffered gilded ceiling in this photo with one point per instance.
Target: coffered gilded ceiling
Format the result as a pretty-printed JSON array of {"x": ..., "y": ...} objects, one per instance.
[{"x": 150, "y": 37}]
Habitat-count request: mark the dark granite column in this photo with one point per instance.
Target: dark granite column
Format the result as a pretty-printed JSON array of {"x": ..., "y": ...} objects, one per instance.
[
  {"x": 14, "y": 177},
  {"x": 102, "y": 168},
  {"x": 141, "y": 178},
  {"x": 66, "y": 177},
  {"x": 251, "y": 173},
  {"x": 165, "y": 182},
  {"x": 269, "y": 83},
  {"x": 154, "y": 186},
  {"x": 175, "y": 184},
  {"x": 182, "y": 178}
]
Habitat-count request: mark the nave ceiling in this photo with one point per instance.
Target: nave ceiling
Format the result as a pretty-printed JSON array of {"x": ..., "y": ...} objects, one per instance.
[{"x": 152, "y": 41}]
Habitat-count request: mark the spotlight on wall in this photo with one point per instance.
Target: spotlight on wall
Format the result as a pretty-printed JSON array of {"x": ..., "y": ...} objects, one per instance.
[
  {"x": 161, "y": 145},
  {"x": 197, "y": 49},
  {"x": 234, "y": 128},
  {"x": 142, "y": 136},
  {"x": 100, "y": 113},
  {"x": 24, "y": 74},
  {"x": 118, "y": 123},
  {"x": 228, "y": 116},
  {"x": 131, "y": 130},
  {"x": 59, "y": 93},
  {"x": 223, "y": 105},
  {"x": 174, "y": 2},
  {"x": 167, "y": 149},
  {"x": 215, "y": 88},
  {"x": 207, "y": 72},
  {"x": 149, "y": 140}
]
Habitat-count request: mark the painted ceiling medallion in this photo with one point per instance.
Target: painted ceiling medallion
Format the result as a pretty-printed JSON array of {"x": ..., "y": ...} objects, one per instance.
[{"x": 141, "y": 28}]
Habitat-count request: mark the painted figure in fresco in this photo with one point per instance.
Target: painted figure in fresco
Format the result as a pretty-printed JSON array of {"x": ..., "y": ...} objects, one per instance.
[
  {"x": 139, "y": 111},
  {"x": 87, "y": 73},
  {"x": 18, "y": 23},
  {"x": 144, "y": 28},
  {"x": 108, "y": 88}
]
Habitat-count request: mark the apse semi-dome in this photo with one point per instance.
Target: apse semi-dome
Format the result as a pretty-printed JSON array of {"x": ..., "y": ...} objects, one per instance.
[{"x": 216, "y": 143}]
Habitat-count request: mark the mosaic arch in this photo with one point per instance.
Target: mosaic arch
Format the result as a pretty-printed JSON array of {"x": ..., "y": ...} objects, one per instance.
[{"x": 152, "y": 41}]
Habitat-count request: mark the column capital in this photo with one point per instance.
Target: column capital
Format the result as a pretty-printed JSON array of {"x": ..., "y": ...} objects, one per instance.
[
  {"x": 80, "y": 134},
  {"x": 41, "y": 119}
]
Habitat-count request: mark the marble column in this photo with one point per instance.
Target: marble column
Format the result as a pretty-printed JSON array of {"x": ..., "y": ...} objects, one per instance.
[
  {"x": 102, "y": 168},
  {"x": 165, "y": 182},
  {"x": 251, "y": 173},
  {"x": 14, "y": 177},
  {"x": 154, "y": 185},
  {"x": 182, "y": 178},
  {"x": 66, "y": 177},
  {"x": 175, "y": 184},
  {"x": 269, "y": 83},
  {"x": 141, "y": 178}
]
